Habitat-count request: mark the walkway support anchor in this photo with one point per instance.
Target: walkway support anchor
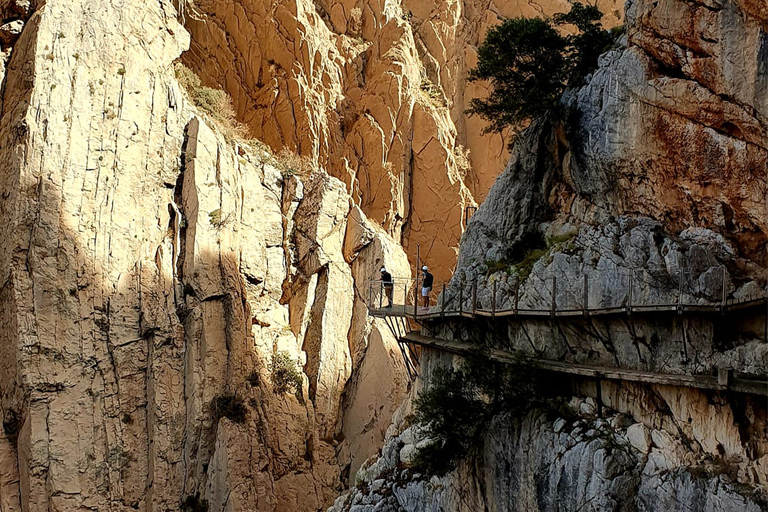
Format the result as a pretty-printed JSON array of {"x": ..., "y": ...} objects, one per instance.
[
  {"x": 493, "y": 301},
  {"x": 554, "y": 297}
]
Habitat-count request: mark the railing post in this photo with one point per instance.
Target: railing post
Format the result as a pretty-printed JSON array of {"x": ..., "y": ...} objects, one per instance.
[
  {"x": 680, "y": 294},
  {"x": 405, "y": 294},
  {"x": 585, "y": 303},
  {"x": 442, "y": 307},
  {"x": 493, "y": 300},
  {"x": 554, "y": 296},
  {"x": 474, "y": 297},
  {"x": 599, "y": 395},
  {"x": 517, "y": 295},
  {"x": 381, "y": 294},
  {"x": 725, "y": 292},
  {"x": 629, "y": 294},
  {"x": 416, "y": 287}
]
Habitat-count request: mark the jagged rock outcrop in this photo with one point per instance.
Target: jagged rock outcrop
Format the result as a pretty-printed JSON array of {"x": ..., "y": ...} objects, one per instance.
[
  {"x": 152, "y": 270},
  {"x": 544, "y": 462},
  {"x": 375, "y": 92},
  {"x": 667, "y": 128},
  {"x": 660, "y": 176}
]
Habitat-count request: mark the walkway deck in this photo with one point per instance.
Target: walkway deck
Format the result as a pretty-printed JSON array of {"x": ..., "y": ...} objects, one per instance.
[
  {"x": 720, "y": 383},
  {"x": 435, "y": 312}
]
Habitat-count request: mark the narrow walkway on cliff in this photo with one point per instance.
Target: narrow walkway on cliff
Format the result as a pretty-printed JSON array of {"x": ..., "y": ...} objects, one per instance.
[{"x": 408, "y": 321}]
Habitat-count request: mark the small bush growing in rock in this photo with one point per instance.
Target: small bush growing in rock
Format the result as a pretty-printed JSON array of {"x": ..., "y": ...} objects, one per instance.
[
  {"x": 229, "y": 406},
  {"x": 463, "y": 163},
  {"x": 214, "y": 102},
  {"x": 253, "y": 378},
  {"x": 524, "y": 267},
  {"x": 286, "y": 375},
  {"x": 432, "y": 92},
  {"x": 457, "y": 407},
  {"x": 12, "y": 426},
  {"x": 291, "y": 163},
  {"x": 194, "y": 504}
]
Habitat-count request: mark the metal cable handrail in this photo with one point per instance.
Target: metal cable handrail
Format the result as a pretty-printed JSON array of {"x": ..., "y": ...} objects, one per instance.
[{"x": 462, "y": 298}]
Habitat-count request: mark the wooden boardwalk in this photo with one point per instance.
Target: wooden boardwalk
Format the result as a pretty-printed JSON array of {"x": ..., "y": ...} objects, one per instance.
[
  {"x": 723, "y": 382},
  {"x": 435, "y": 312}
]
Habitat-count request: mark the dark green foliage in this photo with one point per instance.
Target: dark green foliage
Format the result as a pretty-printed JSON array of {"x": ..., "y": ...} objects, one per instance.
[
  {"x": 11, "y": 425},
  {"x": 459, "y": 404},
  {"x": 524, "y": 58},
  {"x": 194, "y": 504},
  {"x": 229, "y": 406},
  {"x": 286, "y": 376},
  {"x": 588, "y": 43},
  {"x": 530, "y": 63}
]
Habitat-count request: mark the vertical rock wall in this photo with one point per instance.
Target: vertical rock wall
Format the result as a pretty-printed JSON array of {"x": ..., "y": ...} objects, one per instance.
[
  {"x": 373, "y": 91},
  {"x": 151, "y": 268}
]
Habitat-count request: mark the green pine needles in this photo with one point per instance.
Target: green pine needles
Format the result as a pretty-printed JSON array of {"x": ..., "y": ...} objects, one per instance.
[{"x": 530, "y": 63}]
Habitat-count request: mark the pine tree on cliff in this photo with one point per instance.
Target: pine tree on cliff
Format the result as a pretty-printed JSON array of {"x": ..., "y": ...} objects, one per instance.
[{"x": 529, "y": 64}]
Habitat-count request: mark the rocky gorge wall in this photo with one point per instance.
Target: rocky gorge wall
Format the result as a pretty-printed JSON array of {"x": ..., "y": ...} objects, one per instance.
[
  {"x": 657, "y": 448},
  {"x": 151, "y": 272},
  {"x": 375, "y": 92},
  {"x": 660, "y": 175}
]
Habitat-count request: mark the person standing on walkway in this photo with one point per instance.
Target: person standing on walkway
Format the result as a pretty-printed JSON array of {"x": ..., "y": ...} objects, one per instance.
[
  {"x": 388, "y": 285},
  {"x": 426, "y": 285}
]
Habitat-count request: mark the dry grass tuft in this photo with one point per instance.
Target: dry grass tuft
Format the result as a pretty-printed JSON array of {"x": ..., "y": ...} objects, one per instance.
[
  {"x": 291, "y": 163},
  {"x": 214, "y": 103}
]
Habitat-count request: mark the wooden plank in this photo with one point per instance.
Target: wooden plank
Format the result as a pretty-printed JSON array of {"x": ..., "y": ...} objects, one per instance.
[
  {"x": 758, "y": 387},
  {"x": 703, "y": 309}
]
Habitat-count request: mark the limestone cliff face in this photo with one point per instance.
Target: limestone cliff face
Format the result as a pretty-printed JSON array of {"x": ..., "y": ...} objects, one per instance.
[
  {"x": 656, "y": 191},
  {"x": 671, "y": 127},
  {"x": 373, "y": 91},
  {"x": 642, "y": 456},
  {"x": 150, "y": 268}
]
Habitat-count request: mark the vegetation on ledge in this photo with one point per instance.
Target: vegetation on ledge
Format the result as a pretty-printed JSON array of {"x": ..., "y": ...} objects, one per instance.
[
  {"x": 459, "y": 404},
  {"x": 530, "y": 63}
]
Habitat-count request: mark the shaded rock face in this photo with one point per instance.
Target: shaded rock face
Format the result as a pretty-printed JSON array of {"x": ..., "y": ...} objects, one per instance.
[
  {"x": 373, "y": 91},
  {"x": 150, "y": 272},
  {"x": 630, "y": 262},
  {"x": 657, "y": 449}
]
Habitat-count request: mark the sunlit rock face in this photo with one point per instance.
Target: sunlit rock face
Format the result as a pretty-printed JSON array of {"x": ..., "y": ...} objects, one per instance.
[
  {"x": 151, "y": 268},
  {"x": 374, "y": 91},
  {"x": 659, "y": 174}
]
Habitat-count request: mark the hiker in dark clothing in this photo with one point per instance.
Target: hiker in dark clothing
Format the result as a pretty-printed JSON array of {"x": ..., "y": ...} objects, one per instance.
[
  {"x": 388, "y": 285},
  {"x": 426, "y": 285}
]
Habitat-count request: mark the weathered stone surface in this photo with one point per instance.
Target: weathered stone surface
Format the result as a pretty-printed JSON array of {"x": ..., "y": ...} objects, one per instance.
[
  {"x": 147, "y": 273},
  {"x": 376, "y": 93},
  {"x": 528, "y": 465}
]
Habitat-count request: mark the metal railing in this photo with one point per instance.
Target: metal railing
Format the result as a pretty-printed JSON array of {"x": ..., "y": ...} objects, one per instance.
[{"x": 621, "y": 290}]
